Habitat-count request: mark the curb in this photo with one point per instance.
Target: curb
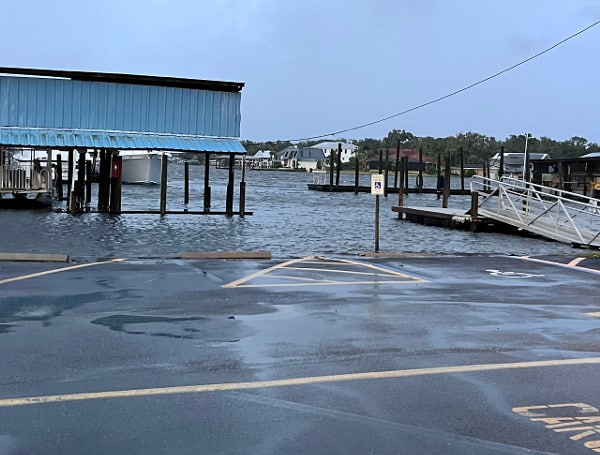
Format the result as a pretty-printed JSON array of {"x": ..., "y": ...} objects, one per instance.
[
  {"x": 33, "y": 257},
  {"x": 225, "y": 255}
]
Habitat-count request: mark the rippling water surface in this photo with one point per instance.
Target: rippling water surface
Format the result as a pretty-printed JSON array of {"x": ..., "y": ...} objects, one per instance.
[{"x": 288, "y": 220}]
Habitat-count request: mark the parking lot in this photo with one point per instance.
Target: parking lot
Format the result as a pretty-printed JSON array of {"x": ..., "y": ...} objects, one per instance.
[{"x": 403, "y": 354}]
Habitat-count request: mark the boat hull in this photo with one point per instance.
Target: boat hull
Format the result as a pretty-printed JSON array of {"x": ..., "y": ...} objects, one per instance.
[{"x": 143, "y": 169}]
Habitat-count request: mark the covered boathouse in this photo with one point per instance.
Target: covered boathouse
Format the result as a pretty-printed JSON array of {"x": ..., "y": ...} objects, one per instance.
[{"x": 78, "y": 112}]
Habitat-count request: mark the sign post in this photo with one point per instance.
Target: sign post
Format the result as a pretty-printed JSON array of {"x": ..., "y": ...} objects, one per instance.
[{"x": 378, "y": 190}]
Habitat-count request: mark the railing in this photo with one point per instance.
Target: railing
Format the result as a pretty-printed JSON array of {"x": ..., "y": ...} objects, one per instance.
[
  {"x": 24, "y": 180},
  {"x": 549, "y": 212}
]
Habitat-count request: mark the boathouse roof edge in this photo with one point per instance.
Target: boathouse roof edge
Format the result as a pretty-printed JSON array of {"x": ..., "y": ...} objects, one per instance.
[{"x": 75, "y": 109}]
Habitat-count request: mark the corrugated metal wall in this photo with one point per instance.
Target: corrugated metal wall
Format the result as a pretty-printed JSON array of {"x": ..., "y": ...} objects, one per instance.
[{"x": 68, "y": 104}]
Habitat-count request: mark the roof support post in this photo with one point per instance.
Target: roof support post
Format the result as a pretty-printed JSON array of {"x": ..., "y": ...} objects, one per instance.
[
  {"x": 206, "y": 183},
  {"x": 230, "y": 183}
]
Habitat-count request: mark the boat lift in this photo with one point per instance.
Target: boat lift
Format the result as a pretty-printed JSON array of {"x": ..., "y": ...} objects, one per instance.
[{"x": 549, "y": 212}]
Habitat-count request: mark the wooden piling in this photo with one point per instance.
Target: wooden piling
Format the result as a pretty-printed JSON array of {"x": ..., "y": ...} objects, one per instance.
[
  {"x": 386, "y": 172},
  {"x": 80, "y": 184},
  {"x": 163, "y": 184},
  {"x": 474, "y": 212},
  {"x": 439, "y": 175},
  {"x": 405, "y": 172},
  {"x": 59, "y": 180},
  {"x": 397, "y": 165},
  {"x": 401, "y": 187},
  {"x": 70, "y": 177},
  {"x": 446, "y": 182},
  {"x": 206, "y": 183},
  {"x": 186, "y": 183},
  {"x": 501, "y": 166},
  {"x": 331, "y": 161},
  {"x": 243, "y": 189},
  {"x": 462, "y": 170},
  {"x": 104, "y": 181},
  {"x": 230, "y": 183},
  {"x": 88, "y": 183},
  {"x": 339, "y": 164},
  {"x": 356, "y": 173},
  {"x": 420, "y": 176},
  {"x": 115, "y": 183}
]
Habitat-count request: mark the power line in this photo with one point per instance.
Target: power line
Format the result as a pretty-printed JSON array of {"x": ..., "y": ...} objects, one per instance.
[{"x": 456, "y": 92}]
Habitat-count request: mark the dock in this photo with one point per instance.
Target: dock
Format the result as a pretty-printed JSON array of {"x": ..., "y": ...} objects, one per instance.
[
  {"x": 452, "y": 218},
  {"x": 390, "y": 190}
]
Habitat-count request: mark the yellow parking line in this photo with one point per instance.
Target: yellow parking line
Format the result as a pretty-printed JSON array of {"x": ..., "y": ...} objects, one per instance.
[
  {"x": 575, "y": 262},
  {"x": 229, "y": 386},
  {"x": 62, "y": 269}
]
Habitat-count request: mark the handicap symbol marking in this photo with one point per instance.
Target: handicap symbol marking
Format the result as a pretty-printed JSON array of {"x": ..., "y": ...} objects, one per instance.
[
  {"x": 322, "y": 271},
  {"x": 579, "y": 421},
  {"x": 498, "y": 273}
]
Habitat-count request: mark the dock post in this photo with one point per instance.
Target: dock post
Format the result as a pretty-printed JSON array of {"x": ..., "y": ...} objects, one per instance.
[
  {"x": 229, "y": 196},
  {"x": 206, "y": 183},
  {"x": 243, "y": 189},
  {"x": 88, "y": 183},
  {"x": 397, "y": 164},
  {"x": 501, "y": 167},
  {"x": 339, "y": 164},
  {"x": 386, "y": 172},
  {"x": 420, "y": 176},
  {"x": 474, "y": 210},
  {"x": 186, "y": 183},
  {"x": 59, "y": 180},
  {"x": 104, "y": 182},
  {"x": 462, "y": 171},
  {"x": 70, "y": 178},
  {"x": 401, "y": 188},
  {"x": 331, "y": 161},
  {"x": 405, "y": 171},
  {"x": 446, "y": 182},
  {"x": 80, "y": 186},
  {"x": 163, "y": 185},
  {"x": 115, "y": 184},
  {"x": 356, "y": 173}
]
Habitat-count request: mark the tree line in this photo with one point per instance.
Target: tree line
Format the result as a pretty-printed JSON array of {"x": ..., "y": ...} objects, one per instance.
[{"x": 477, "y": 148}]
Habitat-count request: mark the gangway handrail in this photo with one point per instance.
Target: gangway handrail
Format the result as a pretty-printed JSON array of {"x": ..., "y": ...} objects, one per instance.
[{"x": 543, "y": 210}]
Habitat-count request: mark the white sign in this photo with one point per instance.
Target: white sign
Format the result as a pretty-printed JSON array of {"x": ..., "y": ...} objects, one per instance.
[{"x": 377, "y": 184}]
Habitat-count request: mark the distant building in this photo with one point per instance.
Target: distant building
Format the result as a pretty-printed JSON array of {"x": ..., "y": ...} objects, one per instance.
[
  {"x": 263, "y": 159},
  {"x": 413, "y": 159},
  {"x": 308, "y": 158},
  {"x": 348, "y": 150}
]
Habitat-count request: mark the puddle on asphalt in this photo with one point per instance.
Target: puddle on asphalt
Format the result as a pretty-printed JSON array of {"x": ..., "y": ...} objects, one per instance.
[{"x": 44, "y": 308}]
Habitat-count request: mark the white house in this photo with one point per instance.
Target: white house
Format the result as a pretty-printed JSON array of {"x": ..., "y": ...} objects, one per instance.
[
  {"x": 263, "y": 159},
  {"x": 308, "y": 158},
  {"x": 348, "y": 150}
]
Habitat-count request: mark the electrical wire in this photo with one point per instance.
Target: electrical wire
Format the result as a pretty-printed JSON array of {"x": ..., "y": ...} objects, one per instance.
[{"x": 456, "y": 92}]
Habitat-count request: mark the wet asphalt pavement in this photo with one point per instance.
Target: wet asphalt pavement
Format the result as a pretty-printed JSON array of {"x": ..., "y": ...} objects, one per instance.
[{"x": 348, "y": 355}]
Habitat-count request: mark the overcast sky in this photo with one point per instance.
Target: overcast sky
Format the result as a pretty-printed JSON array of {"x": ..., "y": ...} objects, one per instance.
[{"x": 312, "y": 67}]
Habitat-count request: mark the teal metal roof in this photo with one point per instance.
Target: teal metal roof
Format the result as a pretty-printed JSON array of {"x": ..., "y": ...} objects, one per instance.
[{"x": 56, "y": 139}]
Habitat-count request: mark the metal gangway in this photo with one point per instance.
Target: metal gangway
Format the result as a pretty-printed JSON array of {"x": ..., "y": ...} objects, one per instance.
[{"x": 549, "y": 212}]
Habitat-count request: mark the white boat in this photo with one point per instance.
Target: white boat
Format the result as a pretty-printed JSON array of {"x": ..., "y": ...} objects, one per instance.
[
  {"x": 24, "y": 184},
  {"x": 141, "y": 167}
]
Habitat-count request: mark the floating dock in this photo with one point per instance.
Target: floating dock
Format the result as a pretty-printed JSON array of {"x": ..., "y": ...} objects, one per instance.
[
  {"x": 452, "y": 218},
  {"x": 390, "y": 190}
]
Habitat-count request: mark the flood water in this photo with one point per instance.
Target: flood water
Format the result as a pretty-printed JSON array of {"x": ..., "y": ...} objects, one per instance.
[{"x": 289, "y": 220}]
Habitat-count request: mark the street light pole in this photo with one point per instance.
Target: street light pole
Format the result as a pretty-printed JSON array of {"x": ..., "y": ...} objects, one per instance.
[{"x": 525, "y": 160}]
